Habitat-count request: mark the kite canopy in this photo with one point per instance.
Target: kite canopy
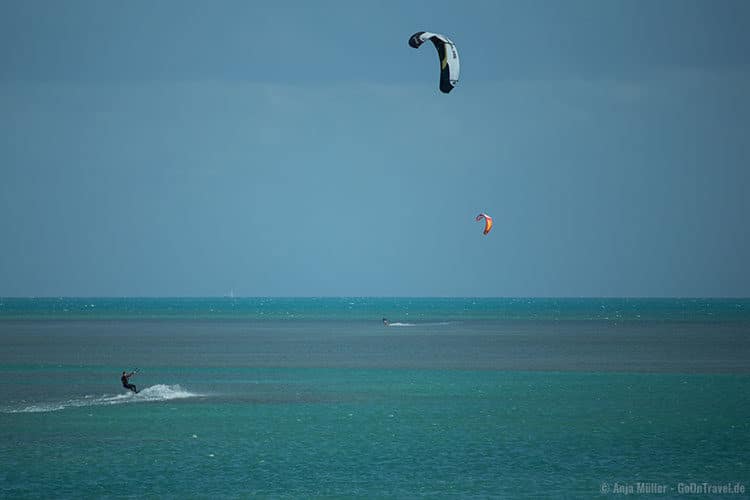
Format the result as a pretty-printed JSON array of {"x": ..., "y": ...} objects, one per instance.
[
  {"x": 487, "y": 222},
  {"x": 447, "y": 54}
]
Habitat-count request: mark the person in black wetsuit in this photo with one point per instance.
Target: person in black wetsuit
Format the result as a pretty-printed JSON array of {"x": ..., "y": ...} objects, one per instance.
[{"x": 126, "y": 383}]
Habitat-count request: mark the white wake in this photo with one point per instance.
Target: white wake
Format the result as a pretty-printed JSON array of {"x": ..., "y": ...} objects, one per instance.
[
  {"x": 159, "y": 392},
  {"x": 438, "y": 323}
]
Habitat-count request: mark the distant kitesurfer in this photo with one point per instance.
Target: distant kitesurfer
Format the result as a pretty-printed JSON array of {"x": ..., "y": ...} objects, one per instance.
[
  {"x": 126, "y": 383},
  {"x": 386, "y": 322}
]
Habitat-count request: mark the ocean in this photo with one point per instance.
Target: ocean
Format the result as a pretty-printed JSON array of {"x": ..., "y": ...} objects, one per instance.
[{"x": 317, "y": 398}]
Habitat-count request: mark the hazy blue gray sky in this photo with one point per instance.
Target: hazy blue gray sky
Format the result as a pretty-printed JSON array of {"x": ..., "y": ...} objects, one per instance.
[{"x": 303, "y": 149}]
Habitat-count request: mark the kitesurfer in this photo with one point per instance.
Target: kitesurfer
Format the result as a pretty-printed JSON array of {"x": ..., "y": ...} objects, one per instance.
[
  {"x": 386, "y": 322},
  {"x": 126, "y": 383}
]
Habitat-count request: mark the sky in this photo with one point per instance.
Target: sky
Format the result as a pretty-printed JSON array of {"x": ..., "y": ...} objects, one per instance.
[{"x": 296, "y": 148}]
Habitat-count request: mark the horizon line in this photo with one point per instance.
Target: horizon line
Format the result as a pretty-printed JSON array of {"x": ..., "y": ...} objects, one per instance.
[{"x": 525, "y": 297}]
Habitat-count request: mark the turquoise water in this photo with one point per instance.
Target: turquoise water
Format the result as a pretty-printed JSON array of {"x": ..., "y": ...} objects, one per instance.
[{"x": 463, "y": 397}]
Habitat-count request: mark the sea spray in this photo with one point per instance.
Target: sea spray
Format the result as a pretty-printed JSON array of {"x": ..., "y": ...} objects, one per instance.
[{"x": 159, "y": 392}]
